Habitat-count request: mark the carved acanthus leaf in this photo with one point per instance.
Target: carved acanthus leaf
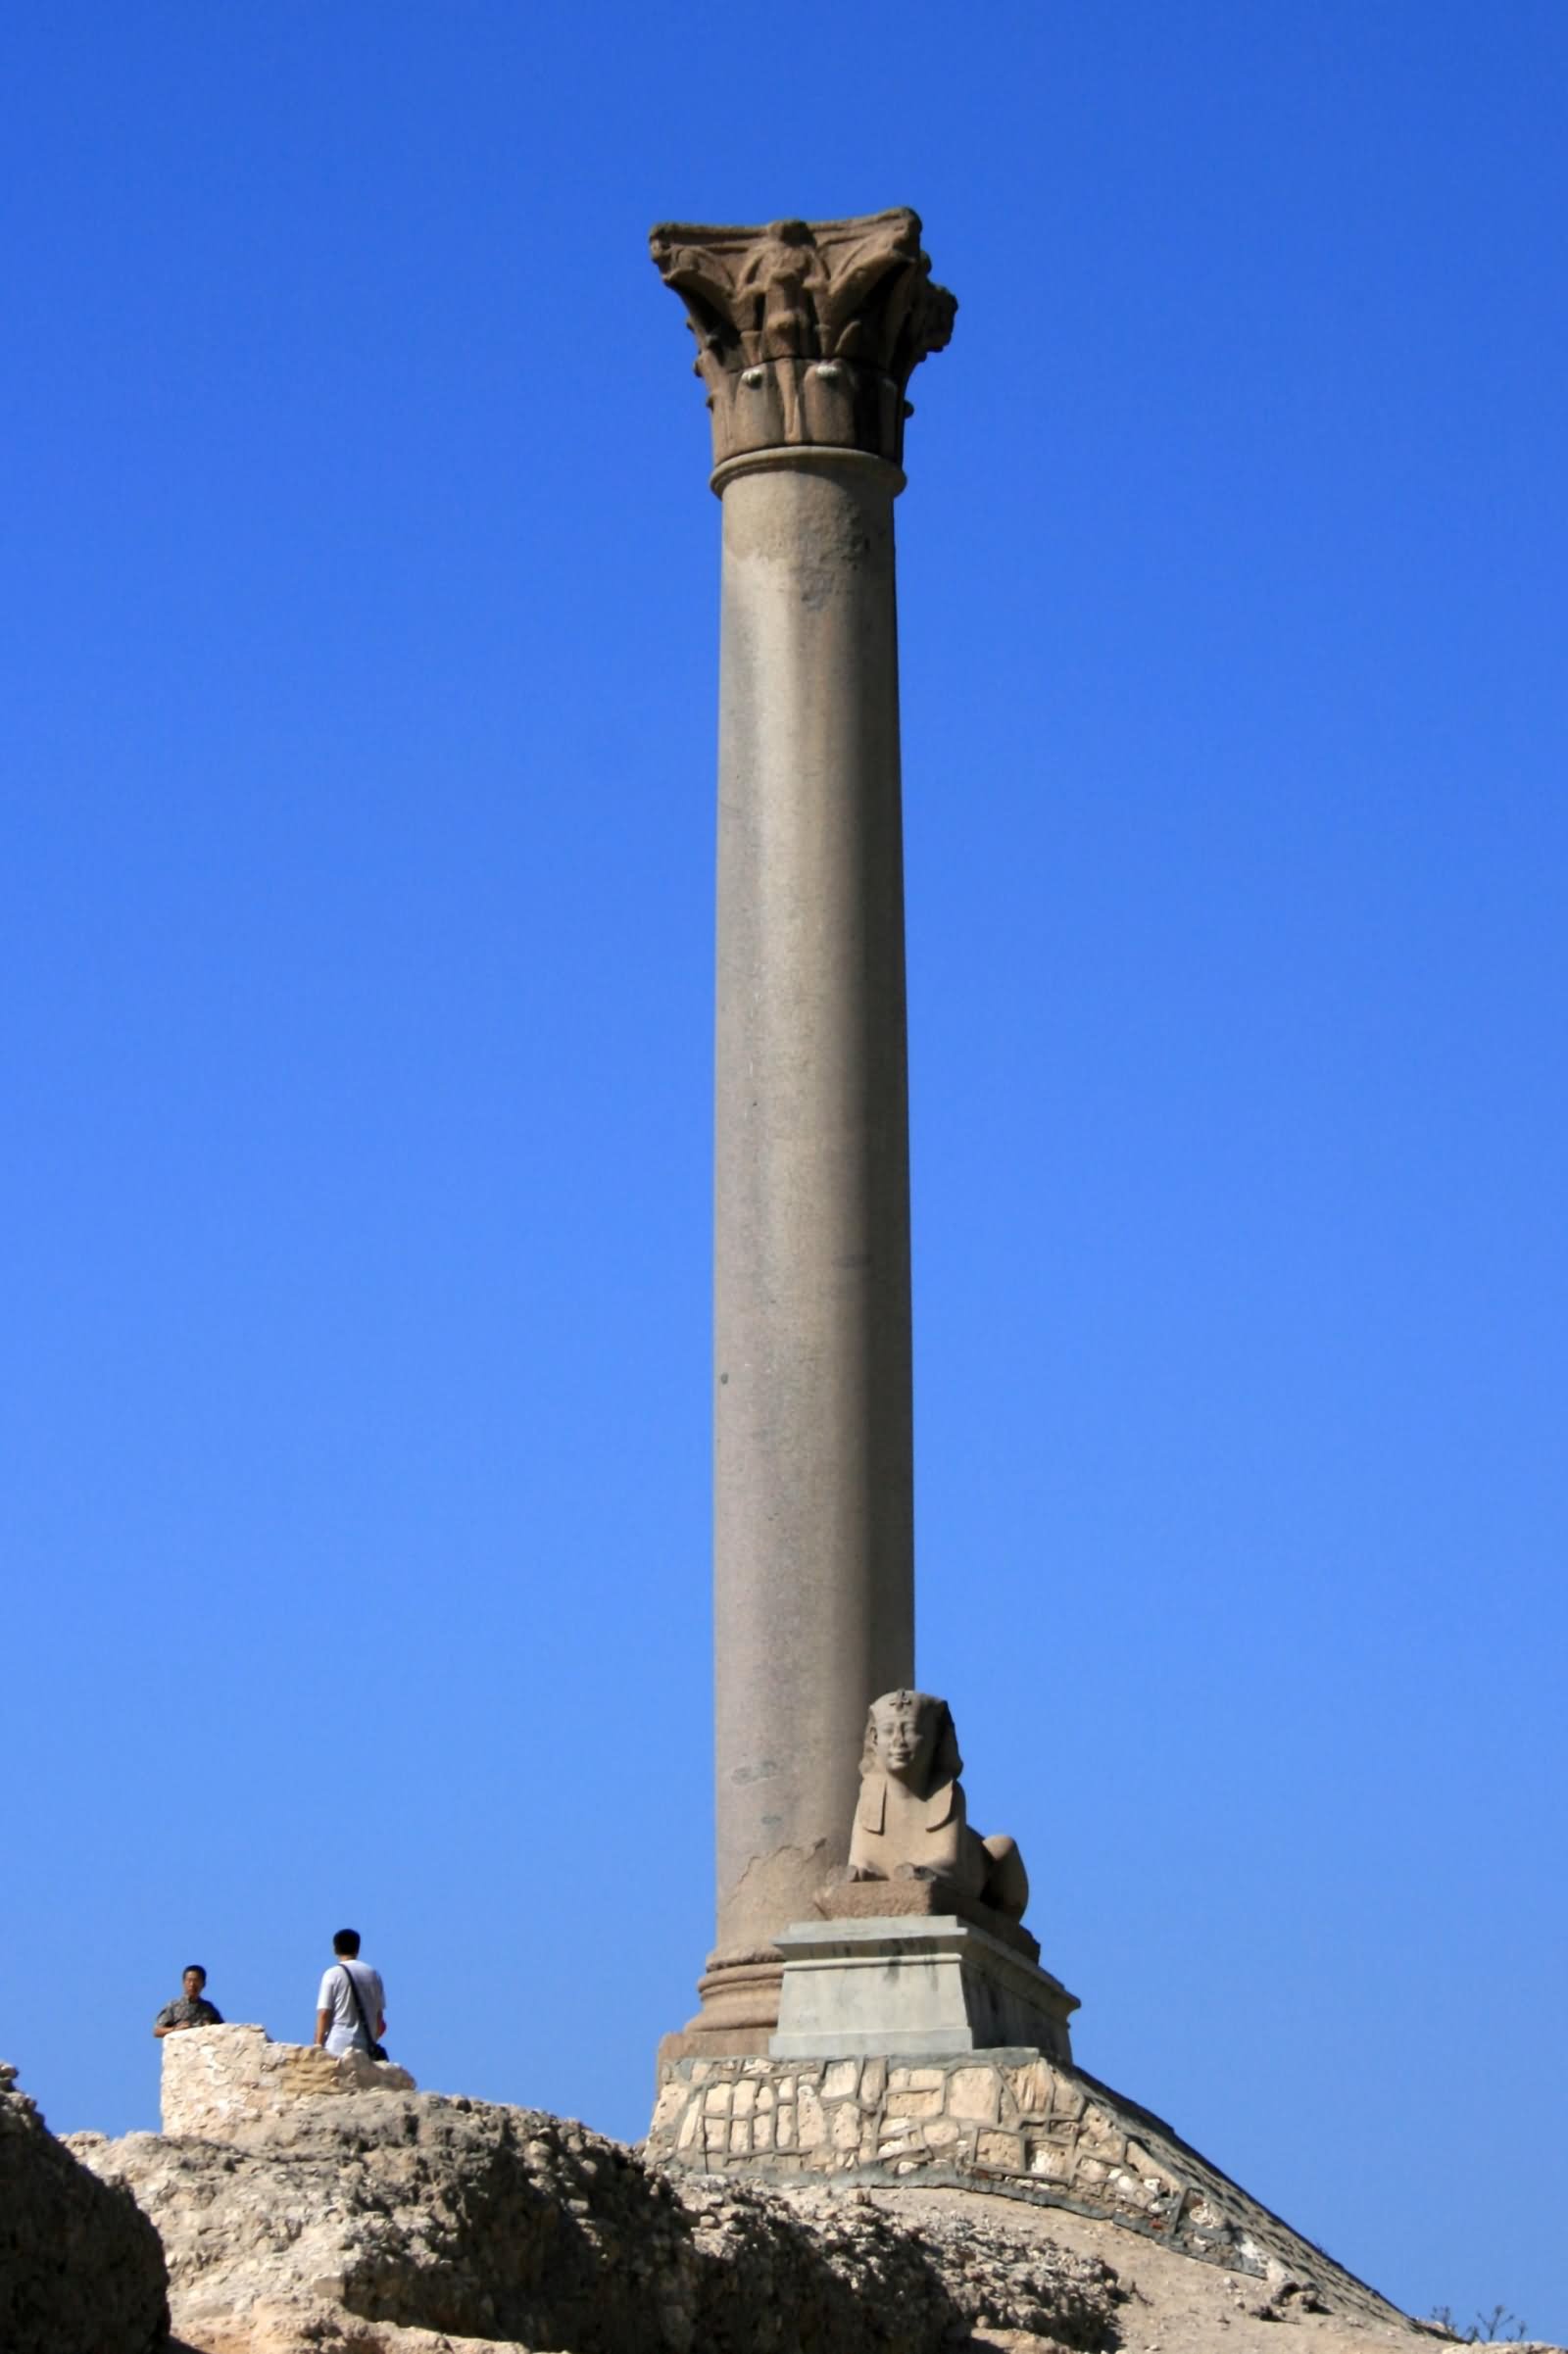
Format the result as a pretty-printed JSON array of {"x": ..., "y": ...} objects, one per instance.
[{"x": 807, "y": 333}]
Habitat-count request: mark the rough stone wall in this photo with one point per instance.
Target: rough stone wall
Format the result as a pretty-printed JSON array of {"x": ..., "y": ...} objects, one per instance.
[
  {"x": 218, "y": 2079},
  {"x": 82, "y": 2270},
  {"x": 1003, "y": 2121}
]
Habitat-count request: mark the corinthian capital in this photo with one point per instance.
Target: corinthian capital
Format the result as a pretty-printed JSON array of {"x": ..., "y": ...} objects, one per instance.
[{"x": 807, "y": 333}]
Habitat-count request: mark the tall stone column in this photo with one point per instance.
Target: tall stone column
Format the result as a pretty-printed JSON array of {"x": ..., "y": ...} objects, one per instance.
[{"x": 807, "y": 336}]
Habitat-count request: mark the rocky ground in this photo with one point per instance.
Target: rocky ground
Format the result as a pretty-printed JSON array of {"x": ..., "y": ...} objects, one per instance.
[
  {"x": 1167, "y": 2304},
  {"x": 387, "y": 2222},
  {"x": 412, "y": 2223},
  {"x": 80, "y": 2268}
]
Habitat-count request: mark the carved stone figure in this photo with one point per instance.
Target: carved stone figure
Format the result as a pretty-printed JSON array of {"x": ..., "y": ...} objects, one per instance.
[
  {"x": 807, "y": 333},
  {"x": 909, "y": 1823}
]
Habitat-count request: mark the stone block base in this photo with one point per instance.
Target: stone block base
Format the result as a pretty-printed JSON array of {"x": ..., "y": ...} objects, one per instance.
[
  {"x": 910, "y": 1988},
  {"x": 1005, "y": 2120},
  {"x": 219, "y": 2079}
]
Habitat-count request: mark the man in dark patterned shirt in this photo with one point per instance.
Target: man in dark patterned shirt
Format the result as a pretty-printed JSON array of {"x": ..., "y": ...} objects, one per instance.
[{"x": 191, "y": 2010}]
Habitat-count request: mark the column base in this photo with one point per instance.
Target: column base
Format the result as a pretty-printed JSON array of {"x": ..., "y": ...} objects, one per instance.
[{"x": 739, "y": 2014}]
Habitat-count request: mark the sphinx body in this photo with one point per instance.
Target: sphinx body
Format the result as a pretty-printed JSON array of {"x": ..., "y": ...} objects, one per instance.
[{"x": 910, "y": 1821}]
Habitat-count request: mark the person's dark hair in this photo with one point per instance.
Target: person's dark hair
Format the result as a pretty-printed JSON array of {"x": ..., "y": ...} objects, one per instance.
[
  {"x": 347, "y": 1941},
  {"x": 196, "y": 1966}
]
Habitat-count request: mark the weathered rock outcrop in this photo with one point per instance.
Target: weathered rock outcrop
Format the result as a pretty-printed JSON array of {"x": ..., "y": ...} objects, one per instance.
[
  {"x": 367, "y": 2220},
  {"x": 216, "y": 2079},
  {"x": 80, "y": 2267}
]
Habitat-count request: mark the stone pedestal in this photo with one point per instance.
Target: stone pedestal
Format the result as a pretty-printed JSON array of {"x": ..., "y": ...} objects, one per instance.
[{"x": 911, "y": 1988}]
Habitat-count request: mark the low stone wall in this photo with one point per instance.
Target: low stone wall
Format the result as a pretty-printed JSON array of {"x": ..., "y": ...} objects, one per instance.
[
  {"x": 218, "y": 2079},
  {"x": 1005, "y": 2120}
]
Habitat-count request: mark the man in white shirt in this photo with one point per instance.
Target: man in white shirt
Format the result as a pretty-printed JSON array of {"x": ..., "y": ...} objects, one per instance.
[{"x": 342, "y": 2021}]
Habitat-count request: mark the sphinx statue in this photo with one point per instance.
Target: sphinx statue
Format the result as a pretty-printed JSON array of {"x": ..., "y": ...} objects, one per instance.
[{"x": 910, "y": 1821}]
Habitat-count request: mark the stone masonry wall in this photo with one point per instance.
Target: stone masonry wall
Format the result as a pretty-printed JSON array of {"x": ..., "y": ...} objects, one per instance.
[
  {"x": 1005, "y": 2120},
  {"x": 218, "y": 2079}
]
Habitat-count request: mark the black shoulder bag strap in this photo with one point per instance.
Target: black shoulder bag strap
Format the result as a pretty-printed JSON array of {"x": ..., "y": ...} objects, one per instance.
[{"x": 376, "y": 2051}]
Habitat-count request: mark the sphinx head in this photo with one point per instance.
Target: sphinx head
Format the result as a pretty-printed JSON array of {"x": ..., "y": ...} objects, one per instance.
[{"x": 909, "y": 1735}]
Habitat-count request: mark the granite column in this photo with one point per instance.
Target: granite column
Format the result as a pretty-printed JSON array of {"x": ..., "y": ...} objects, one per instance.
[{"x": 807, "y": 336}]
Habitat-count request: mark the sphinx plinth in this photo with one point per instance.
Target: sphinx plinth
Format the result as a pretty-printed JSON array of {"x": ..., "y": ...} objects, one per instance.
[{"x": 914, "y": 1986}]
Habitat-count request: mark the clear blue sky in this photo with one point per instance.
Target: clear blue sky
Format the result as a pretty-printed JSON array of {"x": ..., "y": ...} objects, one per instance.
[{"x": 360, "y": 594}]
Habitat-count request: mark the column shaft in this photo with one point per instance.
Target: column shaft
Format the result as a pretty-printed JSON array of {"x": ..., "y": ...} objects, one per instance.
[{"x": 813, "y": 1569}]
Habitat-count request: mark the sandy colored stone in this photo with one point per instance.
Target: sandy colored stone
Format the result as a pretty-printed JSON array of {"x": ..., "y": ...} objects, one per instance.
[
  {"x": 975, "y": 2093},
  {"x": 845, "y": 2127},
  {"x": 914, "y": 2104},
  {"x": 216, "y": 2080},
  {"x": 1031, "y": 2088}
]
